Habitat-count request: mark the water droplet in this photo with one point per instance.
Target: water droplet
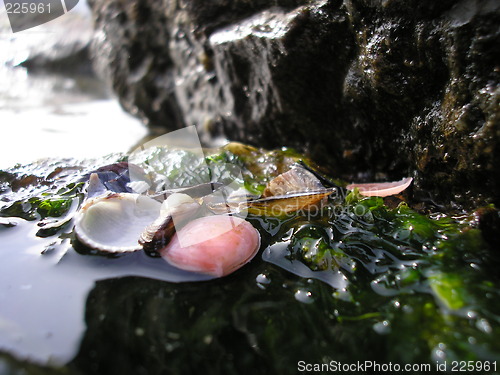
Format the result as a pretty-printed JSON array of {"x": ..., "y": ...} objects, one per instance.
[
  {"x": 139, "y": 331},
  {"x": 475, "y": 266},
  {"x": 304, "y": 296},
  {"x": 263, "y": 279},
  {"x": 438, "y": 354},
  {"x": 208, "y": 339},
  {"x": 382, "y": 328},
  {"x": 471, "y": 314},
  {"x": 483, "y": 325}
]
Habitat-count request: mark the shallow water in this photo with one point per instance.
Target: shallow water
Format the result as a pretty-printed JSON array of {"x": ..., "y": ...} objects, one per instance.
[
  {"x": 86, "y": 130},
  {"x": 44, "y": 283},
  {"x": 50, "y": 114}
]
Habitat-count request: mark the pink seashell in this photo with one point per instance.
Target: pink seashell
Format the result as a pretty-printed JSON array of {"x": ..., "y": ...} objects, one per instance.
[
  {"x": 381, "y": 189},
  {"x": 214, "y": 245}
]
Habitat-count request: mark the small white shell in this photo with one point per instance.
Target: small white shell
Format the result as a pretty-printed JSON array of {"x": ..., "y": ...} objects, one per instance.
[
  {"x": 176, "y": 204},
  {"x": 114, "y": 222}
]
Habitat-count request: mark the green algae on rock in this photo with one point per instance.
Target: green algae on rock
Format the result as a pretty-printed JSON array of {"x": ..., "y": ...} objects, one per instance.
[
  {"x": 358, "y": 275},
  {"x": 424, "y": 283}
]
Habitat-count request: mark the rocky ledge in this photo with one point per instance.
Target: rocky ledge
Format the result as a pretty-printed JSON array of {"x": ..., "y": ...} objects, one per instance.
[{"x": 372, "y": 88}]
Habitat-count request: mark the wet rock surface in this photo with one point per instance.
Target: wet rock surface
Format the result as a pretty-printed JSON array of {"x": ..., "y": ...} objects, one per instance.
[{"x": 375, "y": 89}]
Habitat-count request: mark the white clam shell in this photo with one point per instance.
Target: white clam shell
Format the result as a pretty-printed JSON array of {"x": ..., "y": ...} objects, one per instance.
[{"x": 114, "y": 222}]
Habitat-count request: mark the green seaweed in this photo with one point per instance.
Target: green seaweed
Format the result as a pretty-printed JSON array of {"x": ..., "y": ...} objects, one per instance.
[
  {"x": 419, "y": 288},
  {"x": 425, "y": 283},
  {"x": 46, "y": 204},
  {"x": 53, "y": 207}
]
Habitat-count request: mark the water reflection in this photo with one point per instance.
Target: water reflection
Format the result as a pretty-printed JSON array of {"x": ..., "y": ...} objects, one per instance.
[
  {"x": 87, "y": 130},
  {"x": 57, "y": 107},
  {"x": 50, "y": 106},
  {"x": 42, "y": 307},
  {"x": 40, "y": 313}
]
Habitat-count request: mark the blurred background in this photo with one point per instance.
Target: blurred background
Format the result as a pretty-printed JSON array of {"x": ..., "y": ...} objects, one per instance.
[{"x": 51, "y": 102}]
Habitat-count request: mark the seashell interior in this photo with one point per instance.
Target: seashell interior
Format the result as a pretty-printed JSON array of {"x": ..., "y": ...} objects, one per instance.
[
  {"x": 297, "y": 179},
  {"x": 114, "y": 222},
  {"x": 381, "y": 189},
  {"x": 214, "y": 245}
]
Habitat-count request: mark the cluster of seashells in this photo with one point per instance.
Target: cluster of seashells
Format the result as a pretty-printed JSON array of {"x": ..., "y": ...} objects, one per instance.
[{"x": 192, "y": 230}]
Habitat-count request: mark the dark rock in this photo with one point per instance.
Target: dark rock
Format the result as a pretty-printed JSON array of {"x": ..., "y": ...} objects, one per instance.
[
  {"x": 489, "y": 223},
  {"x": 71, "y": 62},
  {"x": 373, "y": 88}
]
